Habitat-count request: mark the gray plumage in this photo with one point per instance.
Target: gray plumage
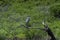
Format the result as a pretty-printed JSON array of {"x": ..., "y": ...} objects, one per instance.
[{"x": 28, "y": 19}]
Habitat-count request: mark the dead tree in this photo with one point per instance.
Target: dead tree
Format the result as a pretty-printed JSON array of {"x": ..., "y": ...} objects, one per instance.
[{"x": 49, "y": 32}]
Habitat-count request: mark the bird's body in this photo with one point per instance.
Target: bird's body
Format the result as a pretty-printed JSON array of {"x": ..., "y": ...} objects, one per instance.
[
  {"x": 27, "y": 22},
  {"x": 28, "y": 19}
]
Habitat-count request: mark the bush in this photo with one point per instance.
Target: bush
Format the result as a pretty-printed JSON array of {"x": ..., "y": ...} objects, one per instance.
[{"x": 55, "y": 11}]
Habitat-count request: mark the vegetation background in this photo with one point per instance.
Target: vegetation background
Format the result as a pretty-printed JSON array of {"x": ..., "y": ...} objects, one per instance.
[{"x": 14, "y": 12}]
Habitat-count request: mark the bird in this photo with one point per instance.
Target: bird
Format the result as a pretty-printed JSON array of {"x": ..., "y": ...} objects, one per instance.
[
  {"x": 28, "y": 19},
  {"x": 27, "y": 22}
]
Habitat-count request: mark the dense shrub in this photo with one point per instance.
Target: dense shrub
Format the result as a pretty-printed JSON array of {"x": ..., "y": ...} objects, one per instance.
[{"x": 55, "y": 11}]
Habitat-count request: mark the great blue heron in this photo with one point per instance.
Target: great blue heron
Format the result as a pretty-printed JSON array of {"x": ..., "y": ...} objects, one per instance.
[
  {"x": 27, "y": 22},
  {"x": 28, "y": 19}
]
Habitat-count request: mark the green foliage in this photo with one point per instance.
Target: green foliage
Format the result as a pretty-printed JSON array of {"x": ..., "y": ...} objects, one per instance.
[
  {"x": 55, "y": 11},
  {"x": 17, "y": 11}
]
